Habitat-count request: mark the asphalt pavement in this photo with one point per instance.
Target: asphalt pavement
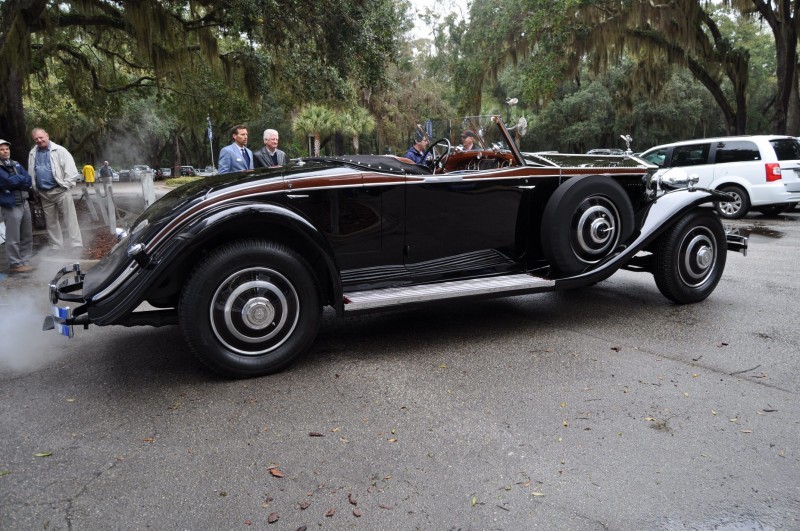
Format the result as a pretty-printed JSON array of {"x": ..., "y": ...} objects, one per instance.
[{"x": 601, "y": 408}]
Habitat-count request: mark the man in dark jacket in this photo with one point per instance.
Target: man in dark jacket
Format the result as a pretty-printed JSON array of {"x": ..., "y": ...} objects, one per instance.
[
  {"x": 417, "y": 152},
  {"x": 15, "y": 184},
  {"x": 269, "y": 155}
]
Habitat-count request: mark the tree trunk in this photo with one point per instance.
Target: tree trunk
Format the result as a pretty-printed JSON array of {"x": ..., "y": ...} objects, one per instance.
[
  {"x": 12, "y": 120},
  {"x": 16, "y": 19},
  {"x": 786, "y": 54},
  {"x": 793, "y": 117}
]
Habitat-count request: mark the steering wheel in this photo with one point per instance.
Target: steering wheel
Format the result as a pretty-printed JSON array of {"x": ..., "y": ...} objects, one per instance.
[{"x": 439, "y": 161}]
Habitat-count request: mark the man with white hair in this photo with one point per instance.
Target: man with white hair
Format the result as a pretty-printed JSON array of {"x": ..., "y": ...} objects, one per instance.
[
  {"x": 269, "y": 155},
  {"x": 54, "y": 175}
]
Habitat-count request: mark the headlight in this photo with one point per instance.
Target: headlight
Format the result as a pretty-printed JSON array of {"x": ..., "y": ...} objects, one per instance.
[{"x": 672, "y": 178}]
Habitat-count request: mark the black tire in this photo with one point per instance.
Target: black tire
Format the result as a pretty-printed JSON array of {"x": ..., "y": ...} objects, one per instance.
[
  {"x": 584, "y": 221},
  {"x": 733, "y": 209},
  {"x": 250, "y": 308},
  {"x": 773, "y": 210},
  {"x": 690, "y": 257}
]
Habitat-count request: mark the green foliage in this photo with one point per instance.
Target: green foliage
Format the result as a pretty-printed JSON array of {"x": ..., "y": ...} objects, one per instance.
[
  {"x": 316, "y": 121},
  {"x": 227, "y": 59}
]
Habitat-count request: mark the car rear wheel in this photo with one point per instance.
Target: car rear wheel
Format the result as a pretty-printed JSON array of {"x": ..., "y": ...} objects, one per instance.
[
  {"x": 250, "y": 308},
  {"x": 690, "y": 257},
  {"x": 736, "y": 208},
  {"x": 584, "y": 221}
]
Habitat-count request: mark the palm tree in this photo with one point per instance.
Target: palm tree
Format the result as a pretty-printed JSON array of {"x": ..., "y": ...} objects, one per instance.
[
  {"x": 354, "y": 123},
  {"x": 315, "y": 120}
]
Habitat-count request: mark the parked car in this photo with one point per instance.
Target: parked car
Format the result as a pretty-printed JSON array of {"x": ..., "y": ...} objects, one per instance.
[
  {"x": 188, "y": 171},
  {"x": 125, "y": 175},
  {"x": 139, "y": 170},
  {"x": 162, "y": 173},
  {"x": 114, "y": 174},
  {"x": 245, "y": 262},
  {"x": 761, "y": 173}
]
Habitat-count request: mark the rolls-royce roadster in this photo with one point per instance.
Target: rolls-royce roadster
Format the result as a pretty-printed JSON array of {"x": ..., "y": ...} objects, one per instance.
[{"x": 244, "y": 263}]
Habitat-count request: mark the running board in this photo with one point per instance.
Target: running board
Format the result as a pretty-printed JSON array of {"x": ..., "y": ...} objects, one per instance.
[{"x": 380, "y": 298}]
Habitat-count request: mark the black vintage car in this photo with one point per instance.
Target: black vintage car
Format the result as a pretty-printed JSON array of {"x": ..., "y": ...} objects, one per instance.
[{"x": 244, "y": 263}]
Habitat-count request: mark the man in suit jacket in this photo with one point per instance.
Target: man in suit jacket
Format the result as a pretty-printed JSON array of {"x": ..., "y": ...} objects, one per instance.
[
  {"x": 236, "y": 156},
  {"x": 270, "y": 155}
]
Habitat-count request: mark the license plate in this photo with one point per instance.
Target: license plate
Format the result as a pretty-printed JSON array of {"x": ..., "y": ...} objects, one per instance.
[{"x": 60, "y": 315}]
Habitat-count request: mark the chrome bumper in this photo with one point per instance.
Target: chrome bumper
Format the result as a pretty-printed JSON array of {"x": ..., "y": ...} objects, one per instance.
[
  {"x": 737, "y": 243},
  {"x": 66, "y": 286}
]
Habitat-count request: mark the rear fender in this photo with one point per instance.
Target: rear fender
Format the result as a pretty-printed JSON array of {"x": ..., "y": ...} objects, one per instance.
[
  {"x": 185, "y": 248},
  {"x": 305, "y": 236}
]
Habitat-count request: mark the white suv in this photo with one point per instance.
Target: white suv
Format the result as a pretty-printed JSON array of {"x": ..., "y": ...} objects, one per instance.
[{"x": 761, "y": 172}]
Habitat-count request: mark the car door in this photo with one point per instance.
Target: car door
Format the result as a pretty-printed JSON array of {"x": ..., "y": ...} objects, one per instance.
[{"x": 464, "y": 223}]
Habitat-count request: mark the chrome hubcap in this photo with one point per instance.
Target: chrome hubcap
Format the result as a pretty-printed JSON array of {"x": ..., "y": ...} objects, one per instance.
[
  {"x": 596, "y": 229},
  {"x": 698, "y": 256},
  {"x": 254, "y": 311}
]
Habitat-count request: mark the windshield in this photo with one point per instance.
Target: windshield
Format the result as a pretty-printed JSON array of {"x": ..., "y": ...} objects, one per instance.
[{"x": 482, "y": 129}]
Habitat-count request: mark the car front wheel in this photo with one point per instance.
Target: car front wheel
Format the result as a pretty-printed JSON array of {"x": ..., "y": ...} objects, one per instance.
[
  {"x": 250, "y": 308},
  {"x": 737, "y": 207},
  {"x": 690, "y": 257}
]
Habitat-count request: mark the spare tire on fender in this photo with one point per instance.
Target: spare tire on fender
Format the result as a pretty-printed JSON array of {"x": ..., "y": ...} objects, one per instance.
[{"x": 585, "y": 220}]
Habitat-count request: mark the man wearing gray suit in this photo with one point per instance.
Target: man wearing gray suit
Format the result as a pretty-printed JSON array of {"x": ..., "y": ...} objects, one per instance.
[
  {"x": 236, "y": 156},
  {"x": 269, "y": 155}
]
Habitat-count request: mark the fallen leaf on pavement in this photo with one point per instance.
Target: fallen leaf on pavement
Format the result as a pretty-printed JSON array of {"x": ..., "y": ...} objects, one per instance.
[
  {"x": 330, "y": 512},
  {"x": 272, "y": 518},
  {"x": 304, "y": 505},
  {"x": 351, "y": 499},
  {"x": 537, "y": 494},
  {"x": 43, "y": 454},
  {"x": 276, "y": 473},
  {"x": 356, "y": 513},
  {"x": 315, "y": 434}
]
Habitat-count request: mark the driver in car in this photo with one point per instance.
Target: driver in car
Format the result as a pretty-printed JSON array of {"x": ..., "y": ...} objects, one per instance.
[{"x": 417, "y": 151}]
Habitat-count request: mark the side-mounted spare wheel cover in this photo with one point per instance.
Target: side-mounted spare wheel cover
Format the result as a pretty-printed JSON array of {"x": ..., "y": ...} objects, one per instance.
[{"x": 585, "y": 220}]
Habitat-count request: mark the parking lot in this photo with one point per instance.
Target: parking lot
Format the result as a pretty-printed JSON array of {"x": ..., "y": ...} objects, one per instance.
[{"x": 601, "y": 408}]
